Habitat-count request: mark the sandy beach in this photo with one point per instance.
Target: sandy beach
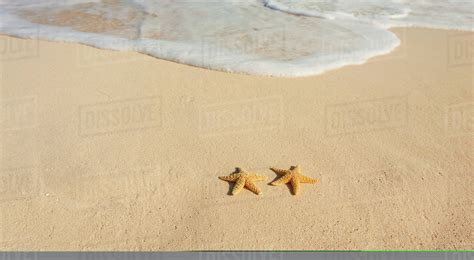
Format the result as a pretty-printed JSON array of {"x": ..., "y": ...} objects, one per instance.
[{"x": 104, "y": 150}]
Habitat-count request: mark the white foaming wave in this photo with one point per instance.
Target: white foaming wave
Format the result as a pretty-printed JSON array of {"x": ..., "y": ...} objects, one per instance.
[
  {"x": 448, "y": 14},
  {"x": 271, "y": 37},
  {"x": 368, "y": 10},
  {"x": 302, "y": 8}
]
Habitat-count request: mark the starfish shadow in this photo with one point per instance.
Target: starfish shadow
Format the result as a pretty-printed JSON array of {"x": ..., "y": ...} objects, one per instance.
[{"x": 231, "y": 187}]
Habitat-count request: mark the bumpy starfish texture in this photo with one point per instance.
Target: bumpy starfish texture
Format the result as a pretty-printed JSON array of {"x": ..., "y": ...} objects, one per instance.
[
  {"x": 244, "y": 179},
  {"x": 292, "y": 175}
]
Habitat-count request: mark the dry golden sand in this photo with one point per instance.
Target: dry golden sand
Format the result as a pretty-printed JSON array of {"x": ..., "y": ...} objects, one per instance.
[{"x": 103, "y": 150}]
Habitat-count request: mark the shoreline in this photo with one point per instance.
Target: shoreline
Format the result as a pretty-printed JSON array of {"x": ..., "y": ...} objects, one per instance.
[
  {"x": 105, "y": 151},
  {"x": 392, "y": 30}
]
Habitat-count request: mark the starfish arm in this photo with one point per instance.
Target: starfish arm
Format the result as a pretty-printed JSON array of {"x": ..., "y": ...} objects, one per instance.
[
  {"x": 295, "y": 183},
  {"x": 231, "y": 177},
  {"x": 238, "y": 186},
  {"x": 306, "y": 179},
  {"x": 251, "y": 186},
  {"x": 283, "y": 180},
  {"x": 256, "y": 177},
  {"x": 279, "y": 171}
]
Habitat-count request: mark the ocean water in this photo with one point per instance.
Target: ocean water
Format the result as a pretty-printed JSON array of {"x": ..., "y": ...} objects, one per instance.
[{"x": 287, "y": 38}]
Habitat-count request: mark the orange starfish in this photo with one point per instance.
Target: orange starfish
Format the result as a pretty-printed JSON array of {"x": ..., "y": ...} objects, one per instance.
[
  {"x": 294, "y": 176},
  {"x": 244, "y": 179}
]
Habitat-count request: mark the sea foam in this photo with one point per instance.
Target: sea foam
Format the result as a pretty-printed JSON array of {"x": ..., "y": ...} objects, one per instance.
[{"x": 264, "y": 37}]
